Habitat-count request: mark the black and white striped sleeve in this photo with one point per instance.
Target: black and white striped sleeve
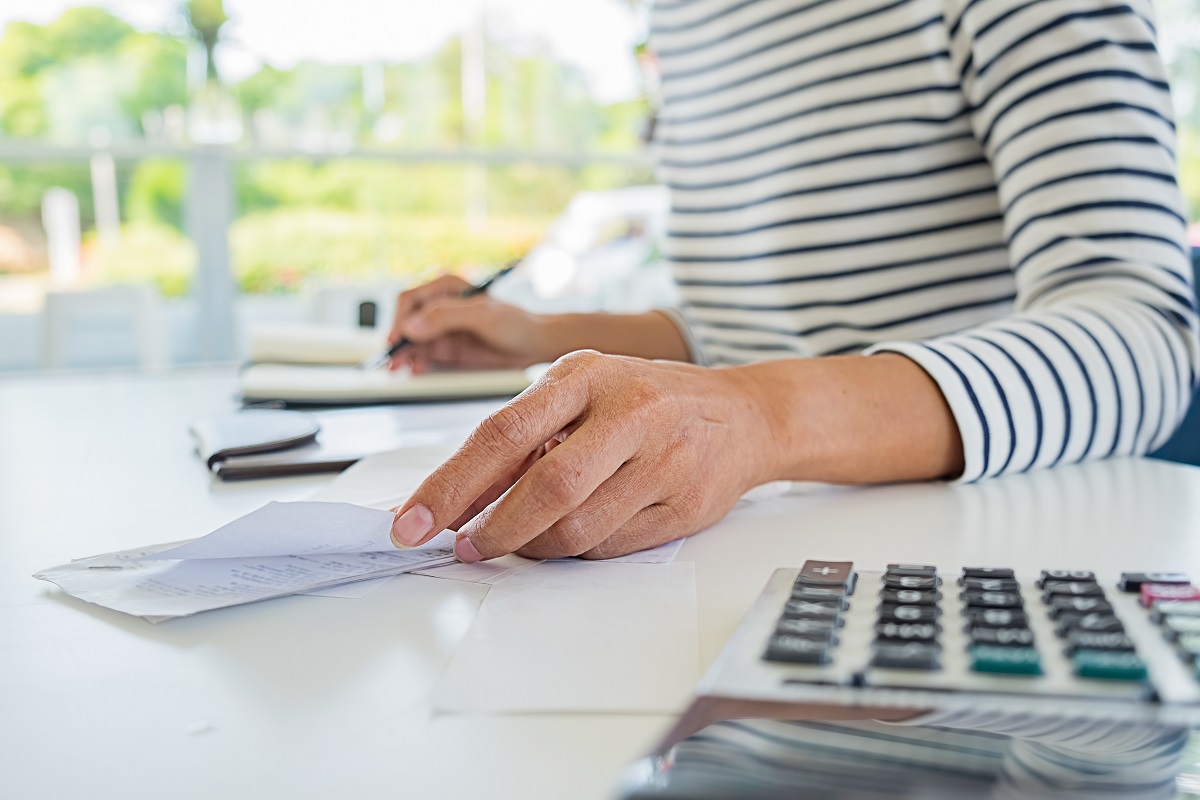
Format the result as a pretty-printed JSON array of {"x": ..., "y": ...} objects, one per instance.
[{"x": 1100, "y": 356}]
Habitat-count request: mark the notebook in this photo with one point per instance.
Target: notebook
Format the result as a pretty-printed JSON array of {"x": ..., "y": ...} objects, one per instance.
[
  {"x": 295, "y": 384},
  {"x": 314, "y": 344}
]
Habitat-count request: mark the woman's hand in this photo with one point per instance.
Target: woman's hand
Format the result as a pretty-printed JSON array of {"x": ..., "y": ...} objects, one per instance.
[
  {"x": 448, "y": 330},
  {"x": 604, "y": 456}
]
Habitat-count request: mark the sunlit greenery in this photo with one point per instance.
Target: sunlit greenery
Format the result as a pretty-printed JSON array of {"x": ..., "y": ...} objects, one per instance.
[{"x": 89, "y": 71}]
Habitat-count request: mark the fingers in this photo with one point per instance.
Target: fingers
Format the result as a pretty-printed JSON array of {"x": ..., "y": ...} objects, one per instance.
[
  {"x": 551, "y": 490},
  {"x": 445, "y": 315},
  {"x": 500, "y": 444},
  {"x": 413, "y": 299},
  {"x": 652, "y": 526},
  {"x": 606, "y": 511}
]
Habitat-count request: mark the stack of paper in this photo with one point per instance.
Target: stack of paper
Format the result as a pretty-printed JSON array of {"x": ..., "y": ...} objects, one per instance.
[{"x": 281, "y": 549}]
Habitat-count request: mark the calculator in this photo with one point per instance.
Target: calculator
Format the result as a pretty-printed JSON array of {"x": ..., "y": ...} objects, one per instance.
[{"x": 1059, "y": 643}]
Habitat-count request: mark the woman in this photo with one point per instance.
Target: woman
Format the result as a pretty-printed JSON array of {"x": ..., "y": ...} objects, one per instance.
[{"x": 915, "y": 239}]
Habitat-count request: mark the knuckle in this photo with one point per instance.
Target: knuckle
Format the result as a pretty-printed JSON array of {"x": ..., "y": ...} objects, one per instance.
[
  {"x": 509, "y": 428},
  {"x": 560, "y": 482},
  {"x": 567, "y": 537}
]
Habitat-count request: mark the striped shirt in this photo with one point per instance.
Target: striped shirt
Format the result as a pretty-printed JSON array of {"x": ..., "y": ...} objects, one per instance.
[{"x": 984, "y": 186}]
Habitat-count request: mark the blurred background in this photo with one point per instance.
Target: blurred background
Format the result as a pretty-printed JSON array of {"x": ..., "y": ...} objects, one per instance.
[{"x": 173, "y": 174}]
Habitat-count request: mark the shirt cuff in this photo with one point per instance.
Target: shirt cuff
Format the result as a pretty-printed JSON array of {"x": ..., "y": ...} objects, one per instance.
[{"x": 695, "y": 351}]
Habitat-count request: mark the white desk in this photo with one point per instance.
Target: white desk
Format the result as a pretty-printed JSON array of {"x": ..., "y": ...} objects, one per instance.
[{"x": 319, "y": 697}]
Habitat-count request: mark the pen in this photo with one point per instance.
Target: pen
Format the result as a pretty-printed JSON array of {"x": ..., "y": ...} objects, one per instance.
[{"x": 478, "y": 289}]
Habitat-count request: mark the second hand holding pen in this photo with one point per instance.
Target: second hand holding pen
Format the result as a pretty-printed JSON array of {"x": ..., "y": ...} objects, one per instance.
[{"x": 478, "y": 289}]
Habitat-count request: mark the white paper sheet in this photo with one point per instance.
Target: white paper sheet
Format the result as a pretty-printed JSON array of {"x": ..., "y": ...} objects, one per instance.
[
  {"x": 127, "y": 581},
  {"x": 577, "y": 636},
  {"x": 487, "y": 572},
  {"x": 351, "y": 591},
  {"x": 299, "y": 529}
]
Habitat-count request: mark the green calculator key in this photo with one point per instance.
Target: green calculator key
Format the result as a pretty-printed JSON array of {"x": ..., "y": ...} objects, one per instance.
[
  {"x": 1006, "y": 660},
  {"x": 1108, "y": 664}
]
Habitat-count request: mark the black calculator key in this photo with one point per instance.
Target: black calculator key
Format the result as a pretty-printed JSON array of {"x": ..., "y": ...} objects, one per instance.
[
  {"x": 796, "y": 650},
  {"x": 1091, "y": 640},
  {"x": 1175, "y": 608},
  {"x": 1078, "y": 605},
  {"x": 1072, "y": 588},
  {"x": 907, "y": 631},
  {"x": 820, "y": 595},
  {"x": 990, "y": 585},
  {"x": 817, "y": 630},
  {"x": 1002, "y": 637},
  {"x": 910, "y": 597},
  {"x": 1189, "y": 647},
  {"x": 909, "y": 655},
  {"x": 828, "y": 574},
  {"x": 1066, "y": 575},
  {"x": 1174, "y": 627},
  {"x": 804, "y": 609},
  {"x": 996, "y": 618},
  {"x": 1096, "y": 622},
  {"x": 992, "y": 599},
  {"x": 987, "y": 572},
  {"x": 891, "y": 613},
  {"x": 911, "y": 581},
  {"x": 1132, "y": 581},
  {"x": 911, "y": 569}
]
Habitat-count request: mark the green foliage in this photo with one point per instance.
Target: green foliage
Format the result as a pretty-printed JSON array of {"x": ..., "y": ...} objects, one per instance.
[
  {"x": 278, "y": 250},
  {"x": 155, "y": 193},
  {"x": 147, "y": 253}
]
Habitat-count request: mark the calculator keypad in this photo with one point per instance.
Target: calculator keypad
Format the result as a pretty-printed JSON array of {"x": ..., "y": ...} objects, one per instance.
[{"x": 989, "y": 615}]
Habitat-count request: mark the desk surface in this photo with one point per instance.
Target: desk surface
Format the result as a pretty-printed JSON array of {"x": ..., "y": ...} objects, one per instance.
[{"x": 317, "y": 697}]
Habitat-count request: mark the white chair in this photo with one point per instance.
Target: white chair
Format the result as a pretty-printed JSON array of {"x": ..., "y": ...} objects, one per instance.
[{"x": 75, "y": 325}]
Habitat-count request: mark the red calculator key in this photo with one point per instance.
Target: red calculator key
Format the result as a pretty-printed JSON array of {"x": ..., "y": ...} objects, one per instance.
[{"x": 1153, "y": 592}]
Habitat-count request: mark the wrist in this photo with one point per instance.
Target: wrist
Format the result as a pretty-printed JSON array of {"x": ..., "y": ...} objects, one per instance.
[{"x": 766, "y": 419}]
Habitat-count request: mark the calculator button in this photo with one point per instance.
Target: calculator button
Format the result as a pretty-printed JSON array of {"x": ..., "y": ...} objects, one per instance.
[
  {"x": 1071, "y": 589},
  {"x": 1174, "y": 627},
  {"x": 804, "y": 609},
  {"x": 1154, "y": 592},
  {"x": 1132, "y": 581},
  {"x": 1005, "y": 660},
  {"x": 817, "y": 630},
  {"x": 992, "y": 599},
  {"x": 891, "y": 613},
  {"x": 1091, "y": 640},
  {"x": 796, "y": 650},
  {"x": 1066, "y": 575},
  {"x": 911, "y": 581},
  {"x": 1002, "y": 637},
  {"x": 1078, "y": 605},
  {"x": 1189, "y": 646},
  {"x": 910, "y": 655},
  {"x": 990, "y": 585},
  {"x": 1109, "y": 665},
  {"x": 1097, "y": 622},
  {"x": 911, "y": 569},
  {"x": 908, "y": 631},
  {"x": 910, "y": 597},
  {"x": 1175, "y": 608},
  {"x": 996, "y": 618},
  {"x": 987, "y": 572},
  {"x": 820, "y": 595},
  {"x": 828, "y": 574}
]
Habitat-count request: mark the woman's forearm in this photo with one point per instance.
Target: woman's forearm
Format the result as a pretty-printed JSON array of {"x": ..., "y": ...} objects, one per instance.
[
  {"x": 650, "y": 335},
  {"x": 854, "y": 419}
]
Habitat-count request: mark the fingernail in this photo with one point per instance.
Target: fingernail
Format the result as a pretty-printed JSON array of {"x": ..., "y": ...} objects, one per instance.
[
  {"x": 418, "y": 326},
  {"x": 466, "y": 551},
  {"x": 412, "y": 526}
]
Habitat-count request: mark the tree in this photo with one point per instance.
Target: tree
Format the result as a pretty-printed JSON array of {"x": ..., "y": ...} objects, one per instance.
[{"x": 206, "y": 17}]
